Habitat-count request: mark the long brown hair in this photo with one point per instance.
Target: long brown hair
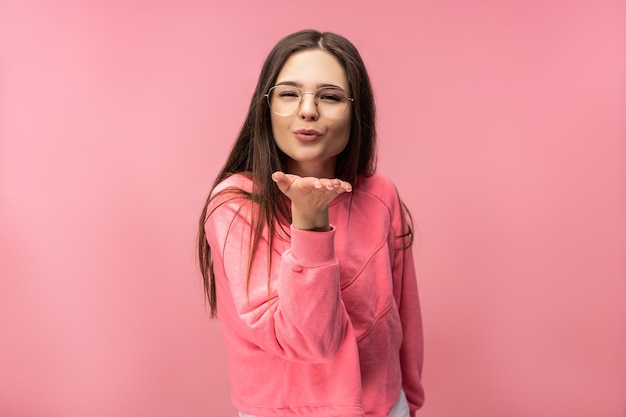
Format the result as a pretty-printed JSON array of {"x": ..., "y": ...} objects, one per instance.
[{"x": 255, "y": 153}]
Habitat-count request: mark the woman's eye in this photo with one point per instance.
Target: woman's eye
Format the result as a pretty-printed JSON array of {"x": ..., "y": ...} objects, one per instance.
[
  {"x": 330, "y": 96},
  {"x": 289, "y": 94}
]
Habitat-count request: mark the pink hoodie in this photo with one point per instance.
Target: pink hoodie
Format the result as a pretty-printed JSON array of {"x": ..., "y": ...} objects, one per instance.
[{"x": 337, "y": 331}]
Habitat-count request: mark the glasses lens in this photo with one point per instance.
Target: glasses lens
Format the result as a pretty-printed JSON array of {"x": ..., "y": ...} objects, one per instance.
[
  {"x": 331, "y": 102},
  {"x": 285, "y": 100}
]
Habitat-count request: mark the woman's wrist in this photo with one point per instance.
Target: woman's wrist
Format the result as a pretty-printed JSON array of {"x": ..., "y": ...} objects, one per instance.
[{"x": 317, "y": 222}]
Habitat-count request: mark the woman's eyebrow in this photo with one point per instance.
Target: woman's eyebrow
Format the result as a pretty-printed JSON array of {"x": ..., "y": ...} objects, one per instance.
[
  {"x": 330, "y": 86},
  {"x": 291, "y": 83},
  {"x": 299, "y": 85}
]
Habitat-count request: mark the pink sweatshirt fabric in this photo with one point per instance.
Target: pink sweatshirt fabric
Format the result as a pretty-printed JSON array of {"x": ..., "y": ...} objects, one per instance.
[{"x": 337, "y": 332}]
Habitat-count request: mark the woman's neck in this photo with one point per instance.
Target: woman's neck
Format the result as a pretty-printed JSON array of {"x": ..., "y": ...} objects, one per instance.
[{"x": 325, "y": 169}]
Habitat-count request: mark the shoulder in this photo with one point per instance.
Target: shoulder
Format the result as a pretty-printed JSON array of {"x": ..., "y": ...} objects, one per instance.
[
  {"x": 378, "y": 186},
  {"x": 234, "y": 182},
  {"x": 230, "y": 196},
  {"x": 384, "y": 191}
]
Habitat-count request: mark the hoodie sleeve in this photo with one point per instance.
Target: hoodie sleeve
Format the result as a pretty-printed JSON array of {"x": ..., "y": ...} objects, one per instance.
[
  {"x": 412, "y": 349},
  {"x": 298, "y": 314}
]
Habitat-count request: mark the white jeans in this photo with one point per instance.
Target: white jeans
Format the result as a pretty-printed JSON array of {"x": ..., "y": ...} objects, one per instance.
[{"x": 400, "y": 409}]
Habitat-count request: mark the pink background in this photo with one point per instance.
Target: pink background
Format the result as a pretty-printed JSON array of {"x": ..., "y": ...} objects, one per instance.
[{"x": 501, "y": 122}]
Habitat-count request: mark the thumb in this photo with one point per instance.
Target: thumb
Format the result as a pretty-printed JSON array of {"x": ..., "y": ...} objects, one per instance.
[{"x": 282, "y": 181}]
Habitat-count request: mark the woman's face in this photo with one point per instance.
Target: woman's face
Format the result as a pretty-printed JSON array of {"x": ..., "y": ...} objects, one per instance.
[{"x": 310, "y": 139}]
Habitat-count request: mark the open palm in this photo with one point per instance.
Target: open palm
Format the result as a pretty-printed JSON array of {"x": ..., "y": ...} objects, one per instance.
[{"x": 310, "y": 198}]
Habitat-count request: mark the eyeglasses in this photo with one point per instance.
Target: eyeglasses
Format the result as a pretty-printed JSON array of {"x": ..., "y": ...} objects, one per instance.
[{"x": 285, "y": 100}]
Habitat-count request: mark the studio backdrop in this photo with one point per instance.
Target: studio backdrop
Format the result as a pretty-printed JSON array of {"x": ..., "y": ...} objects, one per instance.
[{"x": 501, "y": 123}]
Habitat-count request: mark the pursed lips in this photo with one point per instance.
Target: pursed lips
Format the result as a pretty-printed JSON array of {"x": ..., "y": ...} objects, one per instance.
[{"x": 307, "y": 135}]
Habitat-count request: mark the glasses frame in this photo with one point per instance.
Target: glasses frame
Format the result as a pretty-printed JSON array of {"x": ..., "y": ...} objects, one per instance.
[{"x": 316, "y": 101}]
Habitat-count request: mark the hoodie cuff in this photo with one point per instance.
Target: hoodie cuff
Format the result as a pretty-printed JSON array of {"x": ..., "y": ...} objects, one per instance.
[{"x": 310, "y": 249}]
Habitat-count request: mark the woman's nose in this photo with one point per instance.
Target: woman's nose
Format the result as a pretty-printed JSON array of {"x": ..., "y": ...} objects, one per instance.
[{"x": 308, "y": 107}]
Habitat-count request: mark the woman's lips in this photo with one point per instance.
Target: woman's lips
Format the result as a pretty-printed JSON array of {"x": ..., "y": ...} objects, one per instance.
[{"x": 307, "y": 135}]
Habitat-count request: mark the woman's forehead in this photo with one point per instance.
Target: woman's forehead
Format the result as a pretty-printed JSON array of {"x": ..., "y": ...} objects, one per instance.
[{"x": 312, "y": 68}]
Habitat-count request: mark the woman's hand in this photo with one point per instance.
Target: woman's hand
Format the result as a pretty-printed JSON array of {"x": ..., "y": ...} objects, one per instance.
[{"x": 310, "y": 198}]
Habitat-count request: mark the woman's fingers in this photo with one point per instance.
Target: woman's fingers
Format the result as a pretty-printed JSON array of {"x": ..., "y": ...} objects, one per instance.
[
  {"x": 337, "y": 185},
  {"x": 285, "y": 182}
]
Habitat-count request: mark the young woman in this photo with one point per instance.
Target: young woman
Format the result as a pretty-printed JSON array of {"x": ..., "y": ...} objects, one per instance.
[{"x": 306, "y": 251}]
